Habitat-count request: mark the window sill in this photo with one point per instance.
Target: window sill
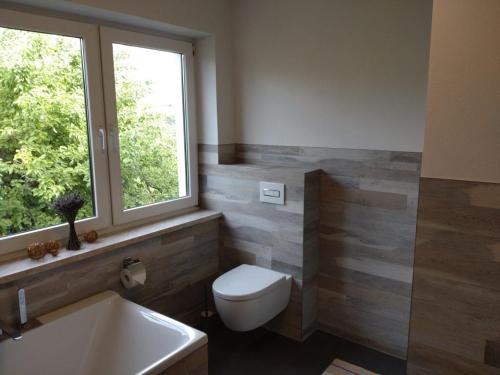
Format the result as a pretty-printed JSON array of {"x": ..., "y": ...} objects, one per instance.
[{"x": 12, "y": 270}]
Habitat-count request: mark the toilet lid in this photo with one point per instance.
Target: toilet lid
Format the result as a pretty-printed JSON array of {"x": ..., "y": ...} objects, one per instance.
[{"x": 246, "y": 282}]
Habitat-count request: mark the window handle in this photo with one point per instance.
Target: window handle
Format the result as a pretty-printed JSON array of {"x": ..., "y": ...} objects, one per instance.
[{"x": 102, "y": 139}]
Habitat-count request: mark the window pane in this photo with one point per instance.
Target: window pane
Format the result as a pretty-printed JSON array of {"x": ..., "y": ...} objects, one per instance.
[
  {"x": 150, "y": 109},
  {"x": 44, "y": 148}
]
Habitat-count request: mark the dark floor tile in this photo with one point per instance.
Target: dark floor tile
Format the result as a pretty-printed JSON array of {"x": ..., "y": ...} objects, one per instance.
[{"x": 261, "y": 352}]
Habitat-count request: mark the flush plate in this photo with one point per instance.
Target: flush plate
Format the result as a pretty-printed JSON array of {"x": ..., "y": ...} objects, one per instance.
[{"x": 272, "y": 192}]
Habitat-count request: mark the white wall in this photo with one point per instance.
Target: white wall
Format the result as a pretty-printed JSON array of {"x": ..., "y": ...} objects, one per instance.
[
  {"x": 462, "y": 137},
  {"x": 209, "y": 22},
  {"x": 211, "y": 16},
  {"x": 206, "y": 97},
  {"x": 333, "y": 73}
]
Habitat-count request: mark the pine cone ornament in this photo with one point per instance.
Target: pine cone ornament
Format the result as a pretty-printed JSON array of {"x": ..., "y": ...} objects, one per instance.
[
  {"x": 90, "y": 236},
  {"x": 37, "y": 250},
  {"x": 52, "y": 247}
]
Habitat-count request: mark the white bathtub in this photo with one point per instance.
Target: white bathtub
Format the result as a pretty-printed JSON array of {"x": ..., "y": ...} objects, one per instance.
[{"x": 104, "y": 334}]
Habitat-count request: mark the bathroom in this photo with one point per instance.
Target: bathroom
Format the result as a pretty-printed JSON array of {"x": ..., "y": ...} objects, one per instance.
[{"x": 249, "y": 187}]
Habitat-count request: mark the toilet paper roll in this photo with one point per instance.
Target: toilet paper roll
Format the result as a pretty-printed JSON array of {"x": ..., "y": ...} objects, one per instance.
[{"x": 133, "y": 275}]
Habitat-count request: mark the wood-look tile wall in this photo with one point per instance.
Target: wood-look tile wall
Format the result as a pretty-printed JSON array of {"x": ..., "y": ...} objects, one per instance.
[
  {"x": 455, "y": 316},
  {"x": 282, "y": 238},
  {"x": 367, "y": 233},
  {"x": 179, "y": 265}
]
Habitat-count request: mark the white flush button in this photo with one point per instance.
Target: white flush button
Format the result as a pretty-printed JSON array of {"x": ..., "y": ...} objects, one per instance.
[{"x": 272, "y": 192}]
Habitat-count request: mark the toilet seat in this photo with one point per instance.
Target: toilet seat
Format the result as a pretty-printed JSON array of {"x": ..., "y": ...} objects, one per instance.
[{"x": 246, "y": 282}]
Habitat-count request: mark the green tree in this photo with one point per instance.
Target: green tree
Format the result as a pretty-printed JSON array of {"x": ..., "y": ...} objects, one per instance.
[
  {"x": 44, "y": 148},
  {"x": 147, "y": 143}
]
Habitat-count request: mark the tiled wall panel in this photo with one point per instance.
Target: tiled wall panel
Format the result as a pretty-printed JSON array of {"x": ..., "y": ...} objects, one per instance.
[
  {"x": 455, "y": 319},
  {"x": 368, "y": 210},
  {"x": 179, "y": 264},
  {"x": 282, "y": 238}
]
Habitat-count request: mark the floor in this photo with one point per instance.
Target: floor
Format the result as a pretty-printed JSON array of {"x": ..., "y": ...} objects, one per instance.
[{"x": 261, "y": 352}]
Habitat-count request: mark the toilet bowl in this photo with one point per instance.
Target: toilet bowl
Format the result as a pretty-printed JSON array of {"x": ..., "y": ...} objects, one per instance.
[{"x": 249, "y": 296}]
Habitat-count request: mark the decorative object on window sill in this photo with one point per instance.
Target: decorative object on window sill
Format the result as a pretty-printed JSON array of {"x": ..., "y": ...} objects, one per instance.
[
  {"x": 91, "y": 236},
  {"x": 52, "y": 247},
  {"x": 37, "y": 250},
  {"x": 68, "y": 207}
]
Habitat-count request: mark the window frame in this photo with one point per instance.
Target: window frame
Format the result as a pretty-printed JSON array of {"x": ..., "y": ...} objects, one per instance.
[
  {"x": 108, "y": 37},
  {"x": 102, "y": 130},
  {"x": 89, "y": 34}
]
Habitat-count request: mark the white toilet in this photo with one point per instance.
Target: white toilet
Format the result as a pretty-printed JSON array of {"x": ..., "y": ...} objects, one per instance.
[{"x": 249, "y": 296}]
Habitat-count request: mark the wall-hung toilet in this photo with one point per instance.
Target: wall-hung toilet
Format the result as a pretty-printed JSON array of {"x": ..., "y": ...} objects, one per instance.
[{"x": 249, "y": 296}]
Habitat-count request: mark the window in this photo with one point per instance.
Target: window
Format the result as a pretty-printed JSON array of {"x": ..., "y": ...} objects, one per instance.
[
  {"x": 105, "y": 112},
  {"x": 44, "y": 140},
  {"x": 159, "y": 135},
  {"x": 146, "y": 88}
]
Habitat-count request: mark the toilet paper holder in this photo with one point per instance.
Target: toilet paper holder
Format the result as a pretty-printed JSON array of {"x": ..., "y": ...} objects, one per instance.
[
  {"x": 133, "y": 273},
  {"x": 129, "y": 261}
]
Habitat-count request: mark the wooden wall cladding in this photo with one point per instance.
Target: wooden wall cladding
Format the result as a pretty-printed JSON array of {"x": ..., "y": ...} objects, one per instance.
[
  {"x": 455, "y": 315},
  {"x": 282, "y": 238},
  {"x": 179, "y": 265},
  {"x": 368, "y": 211}
]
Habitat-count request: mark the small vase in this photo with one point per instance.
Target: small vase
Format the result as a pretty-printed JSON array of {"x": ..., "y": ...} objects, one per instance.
[{"x": 73, "y": 241}]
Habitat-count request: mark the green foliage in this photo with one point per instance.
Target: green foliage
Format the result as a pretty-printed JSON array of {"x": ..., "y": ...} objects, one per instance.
[
  {"x": 148, "y": 175},
  {"x": 44, "y": 150}
]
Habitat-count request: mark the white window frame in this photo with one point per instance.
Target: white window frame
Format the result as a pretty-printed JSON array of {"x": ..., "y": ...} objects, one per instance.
[
  {"x": 102, "y": 120},
  {"x": 108, "y": 37},
  {"x": 89, "y": 34}
]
